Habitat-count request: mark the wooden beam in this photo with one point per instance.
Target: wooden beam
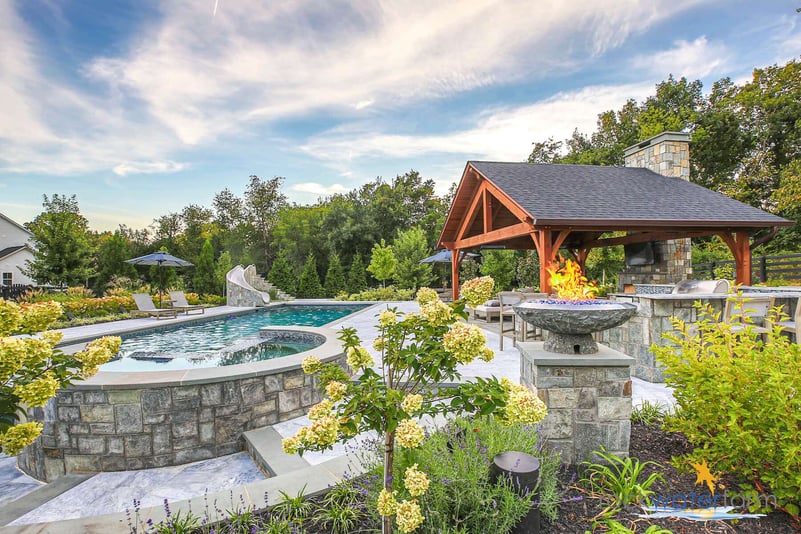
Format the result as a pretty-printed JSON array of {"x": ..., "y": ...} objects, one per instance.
[
  {"x": 487, "y": 211},
  {"x": 455, "y": 263},
  {"x": 738, "y": 243},
  {"x": 471, "y": 212},
  {"x": 544, "y": 244},
  {"x": 507, "y": 201},
  {"x": 643, "y": 237},
  {"x": 507, "y": 232}
]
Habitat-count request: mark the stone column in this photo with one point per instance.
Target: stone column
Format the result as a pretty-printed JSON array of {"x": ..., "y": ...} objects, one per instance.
[
  {"x": 667, "y": 154},
  {"x": 588, "y": 399}
]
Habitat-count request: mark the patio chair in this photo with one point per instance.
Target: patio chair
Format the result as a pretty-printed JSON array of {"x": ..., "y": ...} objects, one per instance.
[
  {"x": 791, "y": 326},
  {"x": 507, "y": 299},
  {"x": 744, "y": 311},
  {"x": 489, "y": 310},
  {"x": 145, "y": 306},
  {"x": 178, "y": 303}
]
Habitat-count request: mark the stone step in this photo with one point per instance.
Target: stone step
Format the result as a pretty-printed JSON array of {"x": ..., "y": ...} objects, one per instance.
[{"x": 264, "y": 446}]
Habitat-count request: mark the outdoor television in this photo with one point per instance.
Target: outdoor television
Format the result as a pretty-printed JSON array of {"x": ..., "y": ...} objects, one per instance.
[{"x": 639, "y": 254}]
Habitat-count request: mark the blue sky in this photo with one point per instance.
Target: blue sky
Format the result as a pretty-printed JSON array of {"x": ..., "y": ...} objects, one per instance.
[{"x": 142, "y": 107}]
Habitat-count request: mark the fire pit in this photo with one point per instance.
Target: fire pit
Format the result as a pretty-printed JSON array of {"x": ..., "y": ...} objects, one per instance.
[
  {"x": 570, "y": 324},
  {"x": 572, "y": 318}
]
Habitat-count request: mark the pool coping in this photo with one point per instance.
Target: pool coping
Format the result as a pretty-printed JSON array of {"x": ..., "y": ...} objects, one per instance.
[{"x": 181, "y": 377}]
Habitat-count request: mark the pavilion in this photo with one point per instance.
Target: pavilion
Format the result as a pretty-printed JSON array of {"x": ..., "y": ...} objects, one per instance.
[{"x": 571, "y": 207}]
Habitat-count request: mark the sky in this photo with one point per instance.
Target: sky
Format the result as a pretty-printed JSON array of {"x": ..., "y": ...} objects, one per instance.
[{"x": 142, "y": 107}]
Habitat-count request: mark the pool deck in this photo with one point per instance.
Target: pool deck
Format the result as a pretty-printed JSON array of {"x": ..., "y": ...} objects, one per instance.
[{"x": 97, "y": 503}]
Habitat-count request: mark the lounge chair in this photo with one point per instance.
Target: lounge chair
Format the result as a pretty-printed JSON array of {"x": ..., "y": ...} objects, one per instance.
[
  {"x": 179, "y": 303},
  {"x": 146, "y": 307},
  {"x": 748, "y": 311}
]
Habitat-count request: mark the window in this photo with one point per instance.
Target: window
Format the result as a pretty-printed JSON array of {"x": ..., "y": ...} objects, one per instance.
[{"x": 7, "y": 277}]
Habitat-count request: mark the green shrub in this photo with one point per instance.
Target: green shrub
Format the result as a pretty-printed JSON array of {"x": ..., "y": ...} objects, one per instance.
[
  {"x": 648, "y": 413},
  {"x": 380, "y": 293},
  {"x": 739, "y": 402},
  {"x": 460, "y": 497},
  {"x": 620, "y": 479}
]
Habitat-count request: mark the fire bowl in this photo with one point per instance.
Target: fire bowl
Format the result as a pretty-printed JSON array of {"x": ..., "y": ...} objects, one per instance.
[{"x": 570, "y": 325}]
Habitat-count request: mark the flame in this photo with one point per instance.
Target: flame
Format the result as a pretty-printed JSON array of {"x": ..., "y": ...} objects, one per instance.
[{"x": 569, "y": 283}]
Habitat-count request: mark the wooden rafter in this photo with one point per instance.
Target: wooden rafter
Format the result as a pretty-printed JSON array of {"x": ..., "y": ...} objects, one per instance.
[
  {"x": 507, "y": 232},
  {"x": 472, "y": 211}
]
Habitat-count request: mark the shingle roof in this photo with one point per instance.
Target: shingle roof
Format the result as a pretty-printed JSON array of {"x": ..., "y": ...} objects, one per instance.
[
  {"x": 579, "y": 194},
  {"x": 8, "y": 251}
]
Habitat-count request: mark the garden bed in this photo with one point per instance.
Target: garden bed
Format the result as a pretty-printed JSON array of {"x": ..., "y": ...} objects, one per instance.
[{"x": 651, "y": 443}]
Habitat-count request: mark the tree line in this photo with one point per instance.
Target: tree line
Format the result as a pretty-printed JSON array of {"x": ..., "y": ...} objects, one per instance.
[{"x": 746, "y": 143}]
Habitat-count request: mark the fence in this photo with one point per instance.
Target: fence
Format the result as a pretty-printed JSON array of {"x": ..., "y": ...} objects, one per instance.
[
  {"x": 13, "y": 291},
  {"x": 763, "y": 268}
]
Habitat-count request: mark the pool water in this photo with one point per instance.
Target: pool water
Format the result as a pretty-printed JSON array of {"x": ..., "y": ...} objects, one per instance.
[{"x": 225, "y": 341}]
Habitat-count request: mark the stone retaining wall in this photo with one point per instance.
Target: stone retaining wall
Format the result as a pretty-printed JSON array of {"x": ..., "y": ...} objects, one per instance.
[{"x": 115, "y": 427}]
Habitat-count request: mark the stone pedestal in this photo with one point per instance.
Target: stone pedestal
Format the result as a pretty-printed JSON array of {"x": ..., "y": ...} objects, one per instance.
[{"x": 588, "y": 399}]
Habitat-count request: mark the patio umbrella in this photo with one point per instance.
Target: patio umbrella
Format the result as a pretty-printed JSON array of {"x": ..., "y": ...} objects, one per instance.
[
  {"x": 444, "y": 256},
  {"x": 161, "y": 259}
]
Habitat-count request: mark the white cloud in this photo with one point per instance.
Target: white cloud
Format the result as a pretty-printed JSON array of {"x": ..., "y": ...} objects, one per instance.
[
  {"x": 318, "y": 189},
  {"x": 503, "y": 134},
  {"x": 364, "y": 103},
  {"x": 147, "y": 167},
  {"x": 692, "y": 60}
]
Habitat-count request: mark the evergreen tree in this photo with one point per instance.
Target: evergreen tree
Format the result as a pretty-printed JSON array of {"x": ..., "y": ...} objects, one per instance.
[
  {"x": 282, "y": 276},
  {"x": 357, "y": 281},
  {"x": 409, "y": 248},
  {"x": 309, "y": 286},
  {"x": 383, "y": 262},
  {"x": 205, "y": 281},
  {"x": 111, "y": 256},
  {"x": 224, "y": 264},
  {"x": 335, "y": 277}
]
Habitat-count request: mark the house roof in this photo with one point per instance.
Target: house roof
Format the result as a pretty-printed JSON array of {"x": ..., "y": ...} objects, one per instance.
[
  {"x": 8, "y": 251},
  {"x": 586, "y": 195}
]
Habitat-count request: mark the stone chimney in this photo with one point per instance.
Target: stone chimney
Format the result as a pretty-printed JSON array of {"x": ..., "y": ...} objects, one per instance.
[{"x": 667, "y": 154}]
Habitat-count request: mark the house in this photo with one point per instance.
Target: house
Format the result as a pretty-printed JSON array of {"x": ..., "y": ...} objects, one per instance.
[{"x": 15, "y": 250}]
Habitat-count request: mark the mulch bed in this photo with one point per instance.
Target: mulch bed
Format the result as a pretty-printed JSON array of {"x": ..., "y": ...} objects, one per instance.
[{"x": 652, "y": 443}]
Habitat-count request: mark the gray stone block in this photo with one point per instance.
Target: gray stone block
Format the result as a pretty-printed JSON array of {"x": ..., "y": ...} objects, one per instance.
[
  {"x": 222, "y": 411},
  {"x": 206, "y": 415},
  {"x": 78, "y": 428},
  {"x": 265, "y": 407},
  {"x": 557, "y": 425},
  {"x": 185, "y": 443},
  {"x": 554, "y": 382},
  {"x": 253, "y": 391},
  {"x": 184, "y": 429},
  {"x": 623, "y": 372},
  {"x": 74, "y": 463},
  {"x": 138, "y": 445},
  {"x": 184, "y": 397},
  {"x": 134, "y": 464},
  {"x": 94, "y": 397},
  {"x": 69, "y": 413},
  {"x": 586, "y": 376},
  {"x": 162, "y": 439},
  {"x": 125, "y": 396},
  {"x": 587, "y": 399},
  {"x": 586, "y": 416},
  {"x": 610, "y": 388},
  {"x": 272, "y": 383},
  {"x": 294, "y": 379},
  {"x": 562, "y": 398},
  {"x": 206, "y": 432},
  {"x": 227, "y": 429},
  {"x": 155, "y": 418},
  {"x": 289, "y": 400},
  {"x": 231, "y": 392},
  {"x": 113, "y": 463},
  {"x": 97, "y": 413},
  {"x": 158, "y": 461},
  {"x": 588, "y": 438},
  {"x": 102, "y": 428},
  {"x": 182, "y": 416},
  {"x": 91, "y": 445},
  {"x": 53, "y": 468},
  {"x": 210, "y": 394},
  {"x": 129, "y": 418},
  {"x": 115, "y": 445},
  {"x": 155, "y": 401},
  {"x": 614, "y": 408}
]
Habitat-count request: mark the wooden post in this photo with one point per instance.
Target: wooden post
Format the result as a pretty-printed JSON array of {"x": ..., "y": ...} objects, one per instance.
[
  {"x": 739, "y": 244},
  {"x": 455, "y": 273}
]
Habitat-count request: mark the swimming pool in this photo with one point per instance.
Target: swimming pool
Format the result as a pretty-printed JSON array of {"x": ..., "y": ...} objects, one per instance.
[{"x": 227, "y": 341}]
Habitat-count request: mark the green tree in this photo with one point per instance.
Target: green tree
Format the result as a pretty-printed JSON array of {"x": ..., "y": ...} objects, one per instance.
[
  {"x": 382, "y": 263},
  {"x": 282, "y": 275},
  {"x": 334, "y": 277},
  {"x": 205, "y": 279},
  {"x": 500, "y": 265},
  {"x": 62, "y": 253},
  {"x": 221, "y": 268},
  {"x": 111, "y": 255},
  {"x": 263, "y": 201},
  {"x": 409, "y": 248},
  {"x": 528, "y": 270},
  {"x": 309, "y": 286},
  {"x": 357, "y": 280}
]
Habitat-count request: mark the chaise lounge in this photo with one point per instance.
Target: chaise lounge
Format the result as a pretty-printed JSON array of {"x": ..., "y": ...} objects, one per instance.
[
  {"x": 145, "y": 306},
  {"x": 180, "y": 304}
]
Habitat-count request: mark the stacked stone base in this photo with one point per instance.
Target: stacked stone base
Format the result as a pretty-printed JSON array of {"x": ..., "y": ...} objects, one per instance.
[{"x": 588, "y": 399}]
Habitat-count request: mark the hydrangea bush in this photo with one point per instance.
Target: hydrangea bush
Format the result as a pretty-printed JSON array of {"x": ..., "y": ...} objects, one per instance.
[
  {"x": 32, "y": 369},
  {"x": 419, "y": 351}
]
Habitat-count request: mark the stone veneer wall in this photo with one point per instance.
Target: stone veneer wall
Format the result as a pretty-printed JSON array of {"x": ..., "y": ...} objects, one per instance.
[
  {"x": 93, "y": 429},
  {"x": 589, "y": 403},
  {"x": 667, "y": 154}
]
